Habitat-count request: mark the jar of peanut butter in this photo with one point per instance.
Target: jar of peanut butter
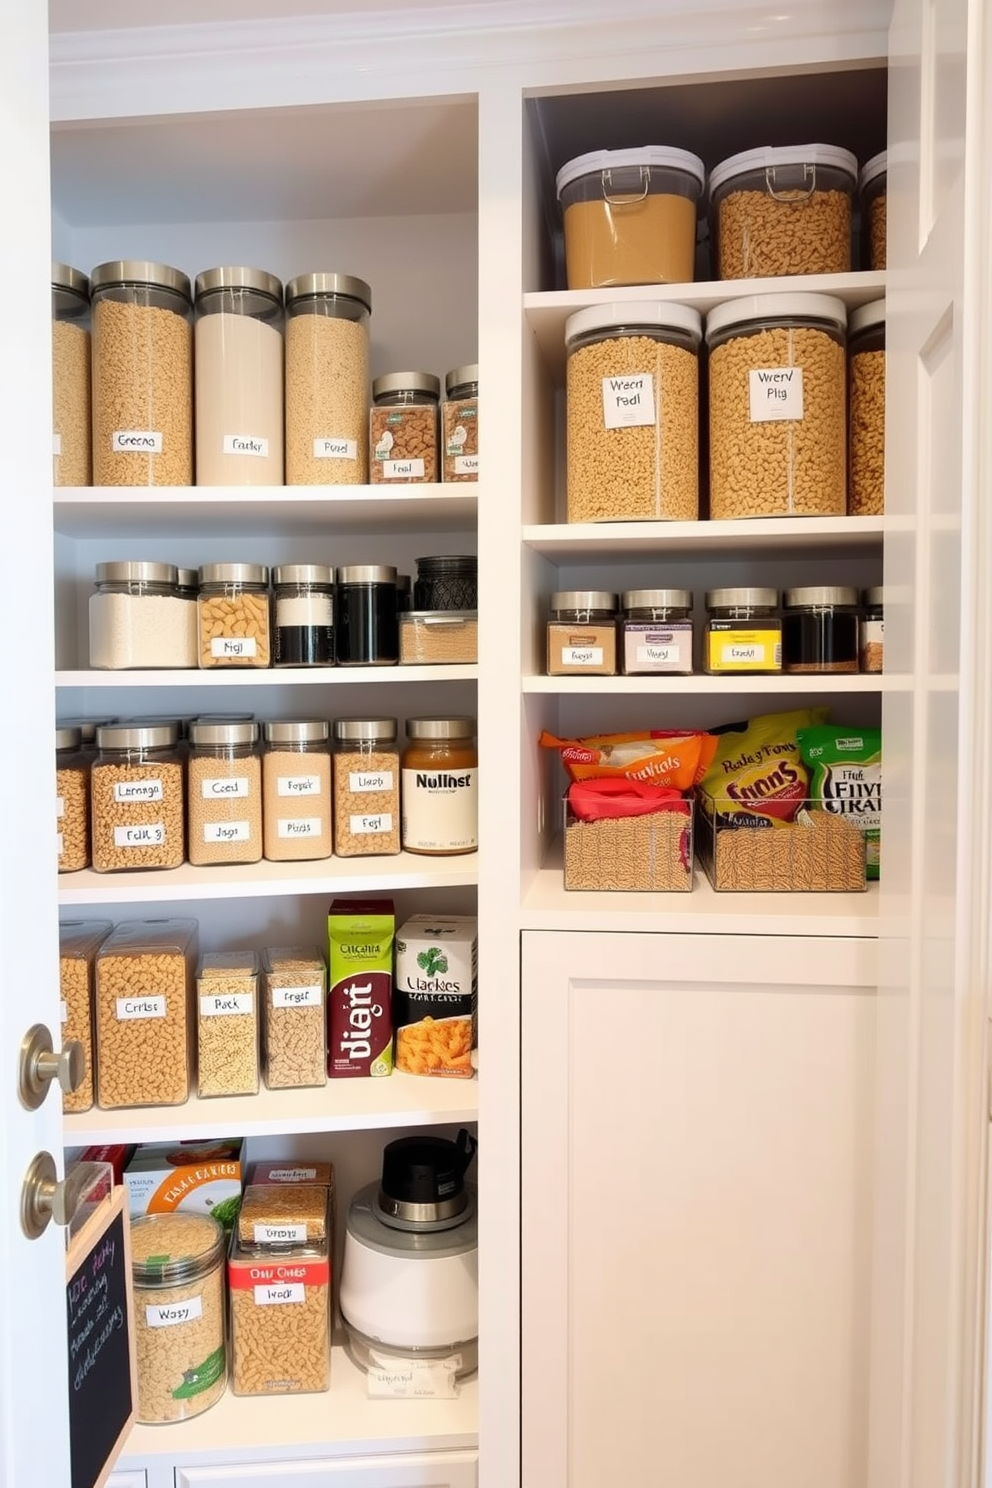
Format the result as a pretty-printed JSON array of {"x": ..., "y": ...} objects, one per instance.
[{"x": 439, "y": 779}]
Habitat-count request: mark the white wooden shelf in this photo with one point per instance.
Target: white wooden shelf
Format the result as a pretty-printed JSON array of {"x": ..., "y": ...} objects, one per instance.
[
  {"x": 267, "y": 676},
  {"x": 585, "y": 542},
  {"x": 812, "y": 685}
]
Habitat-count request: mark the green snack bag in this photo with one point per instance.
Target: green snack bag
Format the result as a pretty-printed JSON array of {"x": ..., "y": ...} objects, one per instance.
[{"x": 846, "y": 778}]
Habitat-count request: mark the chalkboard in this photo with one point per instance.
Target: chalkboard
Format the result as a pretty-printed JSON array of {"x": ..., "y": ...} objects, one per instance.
[{"x": 102, "y": 1389}]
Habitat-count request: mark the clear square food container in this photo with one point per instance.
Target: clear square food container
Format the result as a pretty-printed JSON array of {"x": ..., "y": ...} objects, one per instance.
[
  {"x": 144, "y": 1015},
  {"x": 227, "y": 1024},
  {"x": 280, "y": 1318},
  {"x": 438, "y": 637},
  {"x": 817, "y": 851},
  {"x": 640, "y": 854}
]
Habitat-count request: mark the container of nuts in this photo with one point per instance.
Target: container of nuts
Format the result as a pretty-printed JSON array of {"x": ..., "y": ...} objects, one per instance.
[
  {"x": 177, "y": 1264},
  {"x": 294, "y": 1034},
  {"x": 227, "y": 1024},
  {"x": 137, "y": 798},
  {"x": 79, "y": 941},
  {"x": 233, "y": 615},
  {"x": 144, "y": 1024},
  {"x": 403, "y": 428},
  {"x": 783, "y": 210}
]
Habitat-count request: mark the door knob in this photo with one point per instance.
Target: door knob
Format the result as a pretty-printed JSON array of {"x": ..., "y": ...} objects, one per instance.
[
  {"x": 40, "y": 1065},
  {"x": 45, "y": 1197}
]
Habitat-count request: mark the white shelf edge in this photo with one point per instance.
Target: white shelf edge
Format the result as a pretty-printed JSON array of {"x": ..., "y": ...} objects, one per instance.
[
  {"x": 330, "y": 676},
  {"x": 813, "y": 685},
  {"x": 636, "y": 539}
]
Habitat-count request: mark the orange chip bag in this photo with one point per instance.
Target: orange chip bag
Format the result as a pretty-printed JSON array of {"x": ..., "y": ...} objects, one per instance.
[{"x": 657, "y": 756}]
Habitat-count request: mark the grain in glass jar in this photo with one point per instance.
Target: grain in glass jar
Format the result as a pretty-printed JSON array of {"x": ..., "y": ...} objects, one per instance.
[
  {"x": 138, "y": 619},
  {"x": 743, "y": 633},
  {"x": 72, "y": 800},
  {"x": 632, "y": 413},
  {"x": 239, "y": 388},
  {"x": 296, "y": 789},
  {"x": 778, "y": 407},
  {"x": 144, "y": 1016},
  {"x": 367, "y": 628},
  {"x": 872, "y": 633},
  {"x": 783, "y": 210},
  {"x": 656, "y": 632},
  {"x": 582, "y": 633},
  {"x": 225, "y": 793},
  {"x": 873, "y": 186},
  {"x": 447, "y": 581},
  {"x": 866, "y": 410},
  {"x": 303, "y": 615},
  {"x": 439, "y": 787},
  {"x": 233, "y": 615},
  {"x": 142, "y": 375},
  {"x": 460, "y": 424},
  {"x": 79, "y": 941},
  {"x": 71, "y": 457},
  {"x": 227, "y": 1024},
  {"x": 403, "y": 428},
  {"x": 327, "y": 380},
  {"x": 137, "y": 800},
  {"x": 820, "y": 629},
  {"x": 366, "y": 787},
  {"x": 294, "y": 1030},
  {"x": 177, "y": 1266}
]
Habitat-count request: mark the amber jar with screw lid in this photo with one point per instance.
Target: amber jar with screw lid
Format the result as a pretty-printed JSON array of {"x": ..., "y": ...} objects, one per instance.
[{"x": 440, "y": 787}]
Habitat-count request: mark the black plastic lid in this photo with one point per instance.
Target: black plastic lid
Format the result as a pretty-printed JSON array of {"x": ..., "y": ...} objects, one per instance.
[
  {"x": 424, "y": 1170},
  {"x": 459, "y": 563}
]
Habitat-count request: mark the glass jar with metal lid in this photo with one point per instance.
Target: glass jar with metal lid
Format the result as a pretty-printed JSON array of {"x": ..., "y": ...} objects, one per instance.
[
  {"x": 137, "y": 800},
  {"x": 743, "y": 632},
  {"x": 225, "y": 793},
  {"x": 439, "y": 787},
  {"x": 783, "y": 210},
  {"x": 448, "y": 581},
  {"x": 820, "y": 629},
  {"x": 656, "y": 631},
  {"x": 632, "y": 413},
  {"x": 873, "y": 188},
  {"x": 366, "y": 787},
  {"x": 403, "y": 428},
  {"x": 72, "y": 464},
  {"x": 367, "y": 628},
  {"x": 177, "y": 1267},
  {"x": 138, "y": 619},
  {"x": 582, "y": 633},
  {"x": 142, "y": 375},
  {"x": 296, "y": 789},
  {"x": 233, "y": 615},
  {"x": 866, "y": 410},
  {"x": 239, "y": 383},
  {"x": 872, "y": 632},
  {"x": 303, "y": 615},
  {"x": 327, "y": 380},
  {"x": 187, "y": 581},
  {"x": 72, "y": 799},
  {"x": 460, "y": 424}
]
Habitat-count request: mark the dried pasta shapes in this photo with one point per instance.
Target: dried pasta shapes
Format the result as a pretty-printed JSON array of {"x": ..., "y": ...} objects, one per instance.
[{"x": 436, "y": 1047}]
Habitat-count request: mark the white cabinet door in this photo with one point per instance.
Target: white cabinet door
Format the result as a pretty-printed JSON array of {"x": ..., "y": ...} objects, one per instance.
[
  {"x": 423, "y": 1470},
  {"x": 127, "y": 1480},
  {"x": 697, "y": 1210}
]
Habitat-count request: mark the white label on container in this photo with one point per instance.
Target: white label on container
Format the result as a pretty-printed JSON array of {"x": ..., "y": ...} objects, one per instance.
[
  {"x": 291, "y": 1175},
  {"x": 628, "y": 402},
  {"x": 152, "y": 834},
  {"x": 335, "y": 449},
  {"x": 225, "y": 785},
  {"x": 297, "y": 785},
  {"x": 131, "y": 1008},
  {"x": 659, "y": 655},
  {"x": 378, "y": 821},
  {"x": 402, "y": 469},
  {"x": 232, "y": 831},
  {"x": 56, "y": 444},
  {"x": 580, "y": 656},
  {"x": 138, "y": 790},
  {"x": 136, "y": 442},
  {"x": 221, "y": 646},
  {"x": 289, "y": 827},
  {"x": 225, "y": 1004},
  {"x": 369, "y": 780},
  {"x": 440, "y": 809},
  {"x": 776, "y": 393},
  {"x": 279, "y": 1294},
  {"x": 59, "y": 845},
  {"x": 752, "y": 651},
  {"x": 466, "y": 464},
  {"x": 292, "y": 997},
  {"x": 406, "y": 1379},
  {"x": 63, "y": 1012},
  {"x": 872, "y": 633},
  {"x": 287, "y": 1234},
  {"x": 171, "y": 1314},
  {"x": 59, "y": 807},
  {"x": 246, "y": 444}
]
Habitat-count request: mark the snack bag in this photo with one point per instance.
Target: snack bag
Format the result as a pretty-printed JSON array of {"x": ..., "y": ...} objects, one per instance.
[
  {"x": 846, "y": 766},
  {"x": 657, "y": 757},
  {"x": 758, "y": 777}
]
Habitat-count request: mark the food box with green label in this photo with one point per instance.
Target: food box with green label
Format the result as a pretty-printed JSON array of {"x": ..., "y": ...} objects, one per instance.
[
  {"x": 195, "y": 1177},
  {"x": 434, "y": 999}
]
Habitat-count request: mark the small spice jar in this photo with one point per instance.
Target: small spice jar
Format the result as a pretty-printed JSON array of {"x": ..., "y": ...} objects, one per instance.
[
  {"x": 460, "y": 424},
  {"x": 227, "y": 1024},
  {"x": 142, "y": 375},
  {"x": 366, "y": 787},
  {"x": 440, "y": 787},
  {"x": 296, "y": 789},
  {"x": 136, "y": 797},
  {"x": 327, "y": 380},
  {"x": 303, "y": 619},
  {"x": 820, "y": 629},
  {"x": 866, "y": 410},
  {"x": 225, "y": 793},
  {"x": 238, "y": 381},
  {"x": 873, "y": 187},
  {"x": 177, "y": 1266},
  {"x": 656, "y": 631},
  {"x": 403, "y": 428},
  {"x": 233, "y": 615},
  {"x": 872, "y": 633},
  {"x": 72, "y": 800},
  {"x": 448, "y": 581},
  {"x": 582, "y": 633},
  {"x": 72, "y": 465},
  {"x": 743, "y": 633},
  {"x": 783, "y": 210},
  {"x": 137, "y": 618},
  {"x": 367, "y": 630}
]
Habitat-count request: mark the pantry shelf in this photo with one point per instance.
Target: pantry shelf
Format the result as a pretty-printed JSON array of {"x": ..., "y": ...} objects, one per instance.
[
  {"x": 768, "y": 536},
  {"x": 813, "y": 685},
  {"x": 268, "y": 676}
]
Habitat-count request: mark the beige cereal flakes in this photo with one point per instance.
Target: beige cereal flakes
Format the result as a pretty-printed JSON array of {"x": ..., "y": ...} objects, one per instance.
[
  {"x": 227, "y": 1024},
  {"x": 179, "y": 1325},
  {"x": 280, "y": 1322},
  {"x": 296, "y": 827},
  {"x": 877, "y": 230},
  {"x": 72, "y": 789},
  {"x": 632, "y": 852},
  {"x": 137, "y": 833},
  {"x": 822, "y": 852},
  {"x": 225, "y": 828},
  {"x": 366, "y": 822},
  {"x": 79, "y": 941},
  {"x": 144, "y": 974}
]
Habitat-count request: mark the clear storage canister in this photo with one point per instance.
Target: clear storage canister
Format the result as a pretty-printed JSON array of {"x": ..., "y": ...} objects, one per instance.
[
  {"x": 866, "y": 410},
  {"x": 403, "y": 428},
  {"x": 79, "y": 941},
  {"x": 439, "y": 787},
  {"x": 142, "y": 375},
  {"x": 783, "y": 210},
  {"x": 177, "y": 1265},
  {"x": 872, "y": 633},
  {"x": 136, "y": 797},
  {"x": 233, "y": 615},
  {"x": 630, "y": 216},
  {"x": 280, "y": 1316},
  {"x": 778, "y": 407},
  {"x": 873, "y": 185},
  {"x": 294, "y": 1029},
  {"x": 303, "y": 618},
  {"x": 139, "y": 619},
  {"x": 239, "y": 384},
  {"x": 366, "y": 787},
  {"x": 582, "y": 633},
  {"x": 296, "y": 789},
  {"x": 460, "y": 424},
  {"x": 225, "y": 793},
  {"x": 71, "y": 462},
  {"x": 656, "y": 631},
  {"x": 327, "y": 380},
  {"x": 367, "y": 623},
  {"x": 743, "y": 632},
  {"x": 227, "y": 1024},
  {"x": 632, "y": 413},
  {"x": 72, "y": 799},
  {"x": 144, "y": 1015},
  {"x": 820, "y": 629}
]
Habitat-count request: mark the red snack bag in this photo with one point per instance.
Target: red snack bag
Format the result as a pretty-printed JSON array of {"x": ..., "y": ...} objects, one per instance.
[
  {"x": 659, "y": 758},
  {"x": 596, "y": 800}
]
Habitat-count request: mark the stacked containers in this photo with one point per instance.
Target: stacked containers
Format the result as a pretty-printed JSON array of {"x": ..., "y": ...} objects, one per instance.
[
  {"x": 239, "y": 378},
  {"x": 327, "y": 380},
  {"x": 782, "y": 211},
  {"x": 72, "y": 464}
]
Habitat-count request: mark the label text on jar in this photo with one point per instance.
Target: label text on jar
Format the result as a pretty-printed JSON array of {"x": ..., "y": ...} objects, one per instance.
[
  {"x": 275, "y": 1296},
  {"x": 224, "y": 1005},
  {"x": 129, "y": 1008},
  {"x": 299, "y": 826},
  {"x": 170, "y": 1315},
  {"x": 359, "y": 781},
  {"x": 335, "y": 449},
  {"x": 138, "y": 790},
  {"x": 151, "y": 835},
  {"x": 402, "y": 469},
  {"x": 466, "y": 464},
  {"x": 628, "y": 402},
  {"x": 776, "y": 393},
  {"x": 379, "y": 821},
  {"x": 578, "y": 656},
  {"x": 292, "y": 997},
  {"x": 287, "y": 1234},
  {"x": 227, "y": 785},
  {"x": 235, "y": 831},
  {"x": 244, "y": 444},
  {"x": 136, "y": 442},
  {"x": 298, "y": 785},
  {"x": 221, "y": 646}
]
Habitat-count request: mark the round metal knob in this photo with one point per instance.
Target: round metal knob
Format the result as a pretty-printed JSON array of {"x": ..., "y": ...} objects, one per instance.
[
  {"x": 44, "y": 1197},
  {"x": 40, "y": 1065}
]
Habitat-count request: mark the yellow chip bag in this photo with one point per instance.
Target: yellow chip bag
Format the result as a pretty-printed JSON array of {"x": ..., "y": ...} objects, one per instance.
[{"x": 757, "y": 777}]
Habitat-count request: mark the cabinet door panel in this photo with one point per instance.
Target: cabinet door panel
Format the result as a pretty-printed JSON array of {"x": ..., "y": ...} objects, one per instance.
[
  {"x": 127, "y": 1480},
  {"x": 697, "y": 1174},
  {"x": 426, "y": 1470}
]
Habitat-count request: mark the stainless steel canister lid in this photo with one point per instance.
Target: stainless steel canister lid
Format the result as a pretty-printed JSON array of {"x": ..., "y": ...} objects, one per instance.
[
  {"x": 229, "y": 277},
  {"x": 308, "y": 286},
  {"x": 460, "y": 377},
  {"x": 819, "y": 596},
  {"x": 874, "y": 597},
  {"x": 186, "y": 578},
  {"x": 367, "y": 573},
  {"x": 295, "y": 730},
  {"x": 656, "y": 599},
  {"x": 136, "y": 573},
  {"x": 68, "y": 737},
  {"x": 456, "y": 727},
  {"x": 140, "y": 271},
  {"x": 372, "y": 730},
  {"x": 137, "y": 736},
  {"x": 733, "y": 599},
  {"x": 407, "y": 382},
  {"x": 583, "y": 599},
  {"x": 234, "y": 573},
  {"x": 64, "y": 276},
  {"x": 224, "y": 734},
  {"x": 303, "y": 573}
]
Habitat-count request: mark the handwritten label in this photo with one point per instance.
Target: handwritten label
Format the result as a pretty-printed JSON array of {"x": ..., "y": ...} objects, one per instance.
[
  {"x": 361, "y": 780},
  {"x": 152, "y": 834},
  {"x": 407, "y": 1379},
  {"x": 234, "y": 831},
  {"x": 246, "y": 444},
  {"x": 174, "y": 1314},
  {"x": 225, "y": 785},
  {"x": 776, "y": 394},
  {"x": 402, "y": 469},
  {"x": 298, "y": 826},
  {"x": 297, "y": 785},
  {"x": 226, "y": 1004},
  {"x": 136, "y": 442},
  {"x": 294, "y": 997},
  {"x": 138, "y": 790},
  {"x": 380, "y": 821},
  {"x": 129, "y": 1008},
  {"x": 221, "y": 646},
  {"x": 280, "y": 1294},
  {"x": 628, "y": 402},
  {"x": 580, "y": 656},
  {"x": 289, "y": 1234},
  {"x": 466, "y": 464},
  {"x": 335, "y": 449}
]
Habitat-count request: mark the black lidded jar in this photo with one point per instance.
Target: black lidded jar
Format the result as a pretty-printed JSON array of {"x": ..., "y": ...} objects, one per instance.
[
  {"x": 820, "y": 629},
  {"x": 303, "y": 615},
  {"x": 447, "y": 582},
  {"x": 368, "y": 629}
]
